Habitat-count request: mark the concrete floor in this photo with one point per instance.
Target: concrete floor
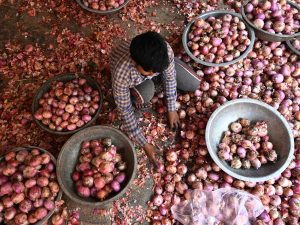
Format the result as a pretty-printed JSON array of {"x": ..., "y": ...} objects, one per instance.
[{"x": 20, "y": 27}]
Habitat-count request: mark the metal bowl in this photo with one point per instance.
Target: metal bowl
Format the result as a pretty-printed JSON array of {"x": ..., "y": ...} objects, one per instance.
[
  {"x": 64, "y": 78},
  {"x": 45, "y": 219},
  {"x": 217, "y": 13},
  {"x": 68, "y": 157},
  {"x": 107, "y": 12},
  {"x": 279, "y": 130},
  {"x": 293, "y": 49},
  {"x": 267, "y": 36}
]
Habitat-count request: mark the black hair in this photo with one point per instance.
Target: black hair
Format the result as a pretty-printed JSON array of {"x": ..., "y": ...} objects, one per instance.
[{"x": 150, "y": 51}]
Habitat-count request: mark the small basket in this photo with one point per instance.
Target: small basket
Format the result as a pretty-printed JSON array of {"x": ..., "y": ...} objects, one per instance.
[
  {"x": 280, "y": 135},
  {"x": 68, "y": 157},
  {"x": 293, "y": 49},
  {"x": 46, "y": 218},
  {"x": 217, "y": 13},
  {"x": 64, "y": 78},
  {"x": 267, "y": 36},
  {"x": 106, "y": 12}
]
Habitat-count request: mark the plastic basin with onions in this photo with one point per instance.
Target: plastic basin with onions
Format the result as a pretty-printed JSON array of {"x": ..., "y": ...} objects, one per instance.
[
  {"x": 28, "y": 148},
  {"x": 265, "y": 35},
  {"x": 279, "y": 131},
  {"x": 68, "y": 157},
  {"x": 217, "y": 13},
  {"x": 106, "y": 12},
  {"x": 64, "y": 78}
]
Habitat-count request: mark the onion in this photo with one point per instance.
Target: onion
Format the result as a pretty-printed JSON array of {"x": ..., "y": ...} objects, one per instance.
[
  {"x": 181, "y": 187},
  {"x": 10, "y": 213},
  {"x": 158, "y": 200},
  {"x": 18, "y": 187},
  {"x": 115, "y": 186},
  {"x": 171, "y": 156},
  {"x": 83, "y": 191},
  {"x": 20, "y": 218},
  {"x": 121, "y": 177}
]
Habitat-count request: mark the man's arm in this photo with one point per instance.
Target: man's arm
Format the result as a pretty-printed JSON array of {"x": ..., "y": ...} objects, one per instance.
[
  {"x": 170, "y": 82},
  {"x": 121, "y": 94}
]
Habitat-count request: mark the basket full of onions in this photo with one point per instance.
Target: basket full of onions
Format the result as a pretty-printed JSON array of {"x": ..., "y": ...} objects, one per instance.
[
  {"x": 28, "y": 186},
  {"x": 96, "y": 166},
  {"x": 273, "y": 20},
  {"x": 249, "y": 140},
  {"x": 67, "y": 103},
  {"x": 102, "y": 7},
  {"x": 294, "y": 45},
  {"x": 218, "y": 38}
]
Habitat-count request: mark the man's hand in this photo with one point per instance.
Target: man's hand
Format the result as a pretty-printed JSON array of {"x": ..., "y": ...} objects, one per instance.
[
  {"x": 151, "y": 153},
  {"x": 174, "y": 120}
]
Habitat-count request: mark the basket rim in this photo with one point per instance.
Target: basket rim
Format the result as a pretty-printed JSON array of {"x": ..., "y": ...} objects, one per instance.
[
  {"x": 217, "y": 160},
  {"x": 107, "y": 201},
  {"x": 251, "y": 35},
  {"x": 60, "y": 193},
  {"x": 286, "y": 36},
  {"x": 58, "y": 78},
  {"x": 106, "y": 12}
]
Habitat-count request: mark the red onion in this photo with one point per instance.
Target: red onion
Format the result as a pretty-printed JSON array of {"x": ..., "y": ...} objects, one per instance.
[
  {"x": 181, "y": 187},
  {"x": 265, "y": 217},
  {"x": 158, "y": 190},
  {"x": 121, "y": 177},
  {"x": 83, "y": 191},
  {"x": 213, "y": 176},
  {"x": 115, "y": 186},
  {"x": 181, "y": 169},
  {"x": 171, "y": 156},
  {"x": 158, "y": 200},
  {"x": 169, "y": 187},
  {"x": 201, "y": 173},
  {"x": 10, "y": 213},
  {"x": 40, "y": 213},
  {"x": 275, "y": 200}
]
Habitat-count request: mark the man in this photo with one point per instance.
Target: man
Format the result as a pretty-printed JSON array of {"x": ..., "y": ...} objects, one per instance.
[{"x": 133, "y": 65}]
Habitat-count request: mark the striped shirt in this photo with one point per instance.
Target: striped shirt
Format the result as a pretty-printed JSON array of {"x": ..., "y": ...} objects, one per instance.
[{"x": 126, "y": 76}]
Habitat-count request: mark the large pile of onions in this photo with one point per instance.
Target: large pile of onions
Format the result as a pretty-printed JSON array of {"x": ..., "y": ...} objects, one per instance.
[
  {"x": 274, "y": 16},
  {"x": 68, "y": 106},
  {"x": 28, "y": 187},
  {"x": 271, "y": 74},
  {"x": 246, "y": 145},
  {"x": 103, "y": 5},
  {"x": 218, "y": 40},
  {"x": 100, "y": 169}
]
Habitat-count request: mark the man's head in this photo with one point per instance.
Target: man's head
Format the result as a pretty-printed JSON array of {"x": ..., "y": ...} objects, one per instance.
[{"x": 149, "y": 51}]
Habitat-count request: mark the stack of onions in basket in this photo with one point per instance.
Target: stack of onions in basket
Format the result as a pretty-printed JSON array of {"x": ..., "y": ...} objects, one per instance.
[
  {"x": 28, "y": 187},
  {"x": 68, "y": 106},
  {"x": 99, "y": 170},
  {"x": 103, "y": 5},
  {"x": 247, "y": 145}
]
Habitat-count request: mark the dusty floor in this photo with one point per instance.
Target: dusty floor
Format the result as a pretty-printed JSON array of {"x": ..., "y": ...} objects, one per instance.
[{"x": 20, "y": 27}]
